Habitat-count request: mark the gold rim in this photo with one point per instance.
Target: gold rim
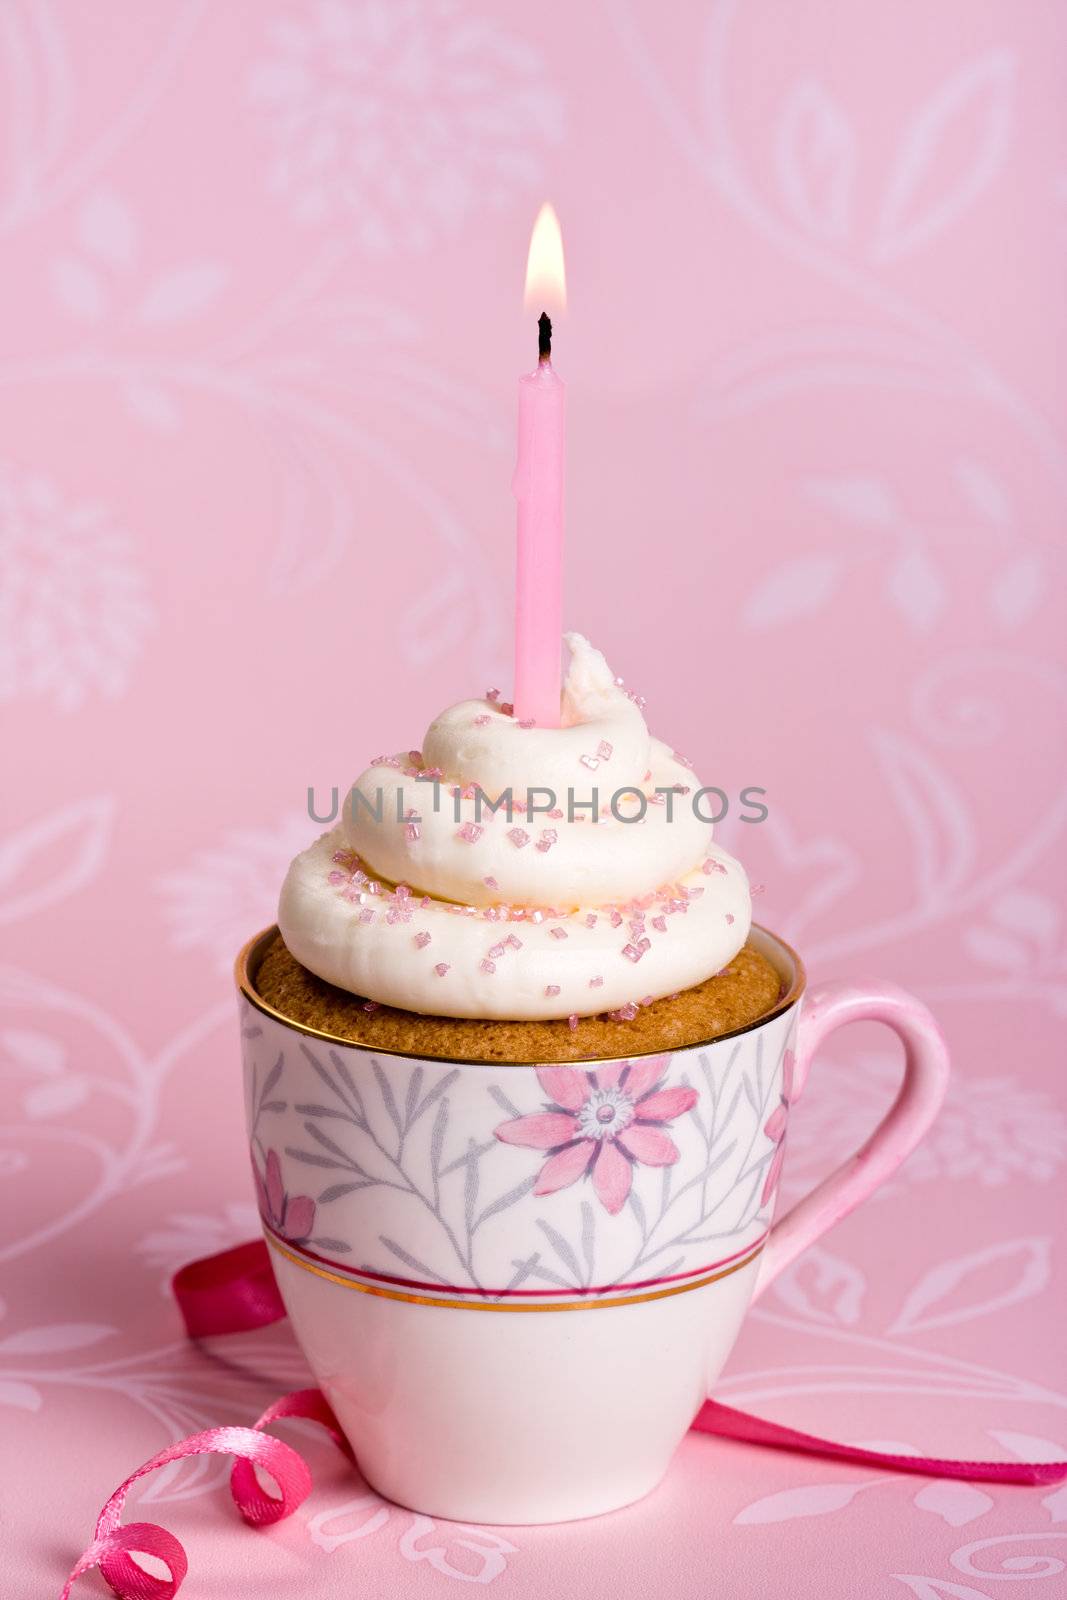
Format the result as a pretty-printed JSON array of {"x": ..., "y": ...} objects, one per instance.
[
  {"x": 382, "y": 1293},
  {"x": 247, "y": 965}
]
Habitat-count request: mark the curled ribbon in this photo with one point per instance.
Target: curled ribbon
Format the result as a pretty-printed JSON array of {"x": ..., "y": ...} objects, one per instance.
[
  {"x": 112, "y": 1546},
  {"x": 236, "y": 1291}
]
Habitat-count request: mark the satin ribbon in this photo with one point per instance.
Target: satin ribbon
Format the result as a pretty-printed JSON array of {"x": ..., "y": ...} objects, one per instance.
[
  {"x": 112, "y": 1546},
  {"x": 236, "y": 1291}
]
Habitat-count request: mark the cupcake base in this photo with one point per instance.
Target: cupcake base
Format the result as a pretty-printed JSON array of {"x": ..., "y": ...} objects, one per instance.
[{"x": 735, "y": 998}]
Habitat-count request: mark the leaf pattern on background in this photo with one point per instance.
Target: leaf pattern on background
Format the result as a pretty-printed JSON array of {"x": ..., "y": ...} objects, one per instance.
[
  {"x": 789, "y": 1505},
  {"x": 815, "y": 153},
  {"x": 63, "y": 850},
  {"x": 917, "y": 589},
  {"x": 955, "y": 1503},
  {"x": 183, "y": 292},
  {"x": 980, "y": 91},
  {"x": 937, "y": 816},
  {"x": 948, "y": 1285},
  {"x": 795, "y": 589}
]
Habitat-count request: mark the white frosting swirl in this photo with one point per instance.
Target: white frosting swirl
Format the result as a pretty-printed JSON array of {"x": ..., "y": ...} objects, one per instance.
[{"x": 551, "y": 912}]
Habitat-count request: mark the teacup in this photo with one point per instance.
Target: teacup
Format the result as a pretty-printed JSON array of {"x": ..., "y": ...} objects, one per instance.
[{"x": 517, "y": 1284}]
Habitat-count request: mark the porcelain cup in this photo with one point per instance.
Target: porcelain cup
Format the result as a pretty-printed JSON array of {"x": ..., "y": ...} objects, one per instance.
[{"x": 518, "y": 1284}]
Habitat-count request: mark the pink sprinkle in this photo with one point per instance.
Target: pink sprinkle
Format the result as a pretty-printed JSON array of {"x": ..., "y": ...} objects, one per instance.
[
  {"x": 527, "y": 722},
  {"x": 516, "y": 944},
  {"x": 422, "y": 940},
  {"x": 589, "y": 761},
  {"x": 632, "y": 953},
  {"x": 572, "y": 1021},
  {"x": 625, "y": 1013},
  {"x": 487, "y": 966},
  {"x": 604, "y": 750},
  {"x": 535, "y": 916},
  {"x": 491, "y": 883},
  {"x": 558, "y": 933},
  {"x": 729, "y": 917},
  {"x": 657, "y": 799},
  {"x": 492, "y": 694},
  {"x": 647, "y": 1001},
  {"x": 497, "y": 951},
  {"x": 551, "y": 989},
  {"x": 470, "y": 832},
  {"x": 441, "y": 968},
  {"x": 518, "y": 837},
  {"x": 660, "y": 924},
  {"x": 594, "y": 983},
  {"x": 616, "y": 919},
  {"x": 694, "y": 894},
  {"x": 412, "y": 832},
  {"x": 373, "y": 886},
  {"x": 370, "y": 1005},
  {"x": 712, "y": 866},
  {"x": 507, "y": 708},
  {"x": 590, "y": 920},
  {"x": 480, "y": 722},
  {"x": 366, "y": 916},
  {"x": 557, "y": 816},
  {"x": 335, "y": 877}
]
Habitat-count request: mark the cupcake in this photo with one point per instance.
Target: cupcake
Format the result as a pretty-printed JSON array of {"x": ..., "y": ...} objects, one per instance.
[{"x": 522, "y": 894}]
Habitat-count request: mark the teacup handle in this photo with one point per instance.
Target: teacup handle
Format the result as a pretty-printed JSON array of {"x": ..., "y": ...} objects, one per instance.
[{"x": 917, "y": 1103}]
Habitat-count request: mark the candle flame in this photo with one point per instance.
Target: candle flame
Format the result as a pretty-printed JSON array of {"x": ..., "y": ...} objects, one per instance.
[{"x": 546, "y": 279}]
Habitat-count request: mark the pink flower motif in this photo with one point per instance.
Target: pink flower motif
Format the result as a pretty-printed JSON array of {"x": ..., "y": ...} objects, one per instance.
[
  {"x": 293, "y": 1217},
  {"x": 775, "y": 1127},
  {"x": 601, "y": 1124}
]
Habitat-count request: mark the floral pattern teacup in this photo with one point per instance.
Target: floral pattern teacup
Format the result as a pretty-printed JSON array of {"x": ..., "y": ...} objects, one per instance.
[{"x": 478, "y": 1259}]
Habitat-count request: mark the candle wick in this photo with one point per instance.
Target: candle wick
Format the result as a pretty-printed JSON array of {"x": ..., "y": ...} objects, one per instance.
[{"x": 544, "y": 337}]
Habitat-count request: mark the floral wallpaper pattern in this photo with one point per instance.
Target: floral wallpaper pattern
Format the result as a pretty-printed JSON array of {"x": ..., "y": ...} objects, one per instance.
[{"x": 262, "y": 273}]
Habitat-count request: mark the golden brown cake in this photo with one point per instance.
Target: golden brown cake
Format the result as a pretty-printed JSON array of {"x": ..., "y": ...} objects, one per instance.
[{"x": 732, "y": 999}]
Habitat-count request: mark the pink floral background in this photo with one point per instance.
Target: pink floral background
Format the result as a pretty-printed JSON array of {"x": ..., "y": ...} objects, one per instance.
[{"x": 262, "y": 277}]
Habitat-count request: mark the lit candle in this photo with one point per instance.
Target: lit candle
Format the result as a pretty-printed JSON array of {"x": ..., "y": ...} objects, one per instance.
[{"x": 538, "y": 489}]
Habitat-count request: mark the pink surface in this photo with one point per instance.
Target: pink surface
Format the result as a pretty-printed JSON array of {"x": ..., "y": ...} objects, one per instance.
[{"x": 258, "y": 429}]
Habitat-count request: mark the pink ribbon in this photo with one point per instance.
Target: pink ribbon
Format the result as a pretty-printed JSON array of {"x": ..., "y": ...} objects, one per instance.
[
  {"x": 112, "y": 1545},
  {"x": 236, "y": 1291},
  {"x": 232, "y": 1292}
]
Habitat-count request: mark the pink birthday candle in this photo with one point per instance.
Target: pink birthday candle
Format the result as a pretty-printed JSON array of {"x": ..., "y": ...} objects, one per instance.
[{"x": 538, "y": 489}]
